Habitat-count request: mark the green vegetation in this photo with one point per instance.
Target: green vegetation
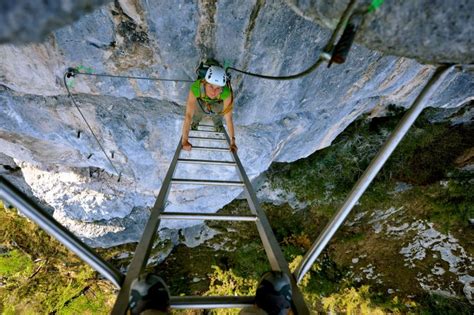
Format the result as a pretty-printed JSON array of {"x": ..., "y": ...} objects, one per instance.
[
  {"x": 453, "y": 205},
  {"x": 426, "y": 155},
  {"x": 15, "y": 264},
  {"x": 428, "y": 159},
  {"x": 441, "y": 305},
  {"x": 362, "y": 301},
  {"x": 40, "y": 276},
  {"x": 436, "y": 190},
  {"x": 226, "y": 282}
]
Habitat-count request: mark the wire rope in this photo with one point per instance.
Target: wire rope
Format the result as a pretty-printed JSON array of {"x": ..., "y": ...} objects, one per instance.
[{"x": 119, "y": 174}]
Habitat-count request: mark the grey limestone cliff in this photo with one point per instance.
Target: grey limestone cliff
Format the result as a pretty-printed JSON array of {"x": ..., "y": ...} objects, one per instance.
[{"x": 139, "y": 122}]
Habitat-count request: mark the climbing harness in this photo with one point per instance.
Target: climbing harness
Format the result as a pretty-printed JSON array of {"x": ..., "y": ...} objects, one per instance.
[
  {"x": 206, "y": 103},
  {"x": 206, "y": 106}
]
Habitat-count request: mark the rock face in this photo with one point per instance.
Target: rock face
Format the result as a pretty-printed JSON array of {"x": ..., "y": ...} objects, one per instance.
[
  {"x": 429, "y": 31},
  {"x": 139, "y": 122},
  {"x": 30, "y": 20}
]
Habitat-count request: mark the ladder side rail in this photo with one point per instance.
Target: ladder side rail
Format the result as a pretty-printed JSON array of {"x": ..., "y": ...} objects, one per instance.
[
  {"x": 143, "y": 249},
  {"x": 272, "y": 248},
  {"x": 12, "y": 195},
  {"x": 372, "y": 170}
]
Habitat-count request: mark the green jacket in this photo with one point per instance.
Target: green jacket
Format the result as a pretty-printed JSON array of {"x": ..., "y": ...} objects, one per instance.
[{"x": 200, "y": 93}]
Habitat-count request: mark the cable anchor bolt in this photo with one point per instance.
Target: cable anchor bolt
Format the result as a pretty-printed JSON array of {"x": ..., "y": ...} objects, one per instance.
[{"x": 71, "y": 72}]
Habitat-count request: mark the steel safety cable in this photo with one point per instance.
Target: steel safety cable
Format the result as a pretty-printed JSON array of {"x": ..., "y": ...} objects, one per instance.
[
  {"x": 325, "y": 55},
  {"x": 119, "y": 174},
  {"x": 74, "y": 72}
]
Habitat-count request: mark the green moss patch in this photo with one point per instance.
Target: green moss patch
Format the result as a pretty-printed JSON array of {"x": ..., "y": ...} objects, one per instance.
[
  {"x": 40, "y": 276},
  {"x": 15, "y": 263}
]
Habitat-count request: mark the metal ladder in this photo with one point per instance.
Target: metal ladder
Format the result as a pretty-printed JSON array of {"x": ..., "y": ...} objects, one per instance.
[{"x": 270, "y": 244}]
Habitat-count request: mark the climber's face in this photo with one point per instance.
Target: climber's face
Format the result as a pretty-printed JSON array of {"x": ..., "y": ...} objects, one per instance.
[{"x": 213, "y": 91}]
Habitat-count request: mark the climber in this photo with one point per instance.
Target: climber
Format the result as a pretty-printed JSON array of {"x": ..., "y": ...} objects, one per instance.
[
  {"x": 150, "y": 295},
  {"x": 209, "y": 96}
]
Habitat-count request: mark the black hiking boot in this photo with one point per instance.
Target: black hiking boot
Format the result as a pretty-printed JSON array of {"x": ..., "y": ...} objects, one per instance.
[
  {"x": 219, "y": 128},
  {"x": 148, "y": 292},
  {"x": 274, "y": 293}
]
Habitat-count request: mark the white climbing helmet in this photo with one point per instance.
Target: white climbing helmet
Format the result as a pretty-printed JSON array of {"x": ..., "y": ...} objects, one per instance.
[{"x": 216, "y": 75}]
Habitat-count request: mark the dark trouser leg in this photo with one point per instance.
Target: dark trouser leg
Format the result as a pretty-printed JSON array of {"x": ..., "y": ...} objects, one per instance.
[
  {"x": 217, "y": 120},
  {"x": 197, "y": 117}
]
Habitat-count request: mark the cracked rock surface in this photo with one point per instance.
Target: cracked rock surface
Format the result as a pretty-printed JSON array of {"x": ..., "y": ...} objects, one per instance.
[{"x": 139, "y": 122}]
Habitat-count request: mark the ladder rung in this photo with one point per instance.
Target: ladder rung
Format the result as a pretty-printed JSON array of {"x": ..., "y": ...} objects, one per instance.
[
  {"x": 204, "y": 125},
  {"x": 207, "y": 302},
  {"x": 211, "y": 149},
  {"x": 210, "y": 162},
  {"x": 206, "y": 138},
  {"x": 208, "y": 131},
  {"x": 199, "y": 128},
  {"x": 205, "y": 216},
  {"x": 206, "y": 182}
]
